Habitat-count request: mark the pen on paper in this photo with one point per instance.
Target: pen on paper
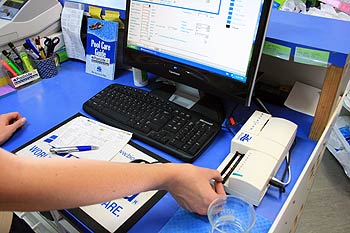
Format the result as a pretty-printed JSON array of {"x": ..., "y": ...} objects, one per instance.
[{"x": 70, "y": 149}]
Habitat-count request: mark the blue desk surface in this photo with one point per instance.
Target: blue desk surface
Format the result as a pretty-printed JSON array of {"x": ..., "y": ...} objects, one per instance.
[{"x": 50, "y": 101}]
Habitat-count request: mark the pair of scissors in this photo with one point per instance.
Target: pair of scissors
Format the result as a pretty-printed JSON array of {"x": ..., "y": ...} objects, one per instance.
[{"x": 50, "y": 44}]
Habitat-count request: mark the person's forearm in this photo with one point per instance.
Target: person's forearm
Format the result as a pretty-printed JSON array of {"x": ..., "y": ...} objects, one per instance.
[{"x": 43, "y": 184}]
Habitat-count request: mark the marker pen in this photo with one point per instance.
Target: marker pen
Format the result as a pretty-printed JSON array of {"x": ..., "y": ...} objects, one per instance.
[
  {"x": 26, "y": 62},
  {"x": 8, "y": 68},
  {"x": 14, "y": 49},
  {"x": 42, "y": 52},
  {"x": 13, "y": 66},
  {"x": 17, "y": 59},
  {"x": 40, "y": 48},
  {"x": 30, "y": 51},
  {"x": 12, "y": 63},
  {"x": 6, "y": 54},
  {"x": 30, "y": 44}
]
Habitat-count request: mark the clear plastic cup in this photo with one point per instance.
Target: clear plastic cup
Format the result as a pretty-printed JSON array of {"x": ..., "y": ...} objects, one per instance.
[{"x": 231, "y": 214}]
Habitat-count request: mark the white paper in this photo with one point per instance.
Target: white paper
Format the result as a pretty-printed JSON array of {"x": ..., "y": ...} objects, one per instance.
[
  {"x": 83, "y": 131},
  {"x": 303, "y": 98},
  {"x": 71, "y": 20}
]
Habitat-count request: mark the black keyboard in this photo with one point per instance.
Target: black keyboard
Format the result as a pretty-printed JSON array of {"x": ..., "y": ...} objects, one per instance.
[{"x": 158, "y": 122}]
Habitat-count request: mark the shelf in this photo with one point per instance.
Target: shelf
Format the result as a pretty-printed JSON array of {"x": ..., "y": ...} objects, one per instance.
[
  {"x": 300, "y": 30},
  {"x": 325, "y": 36}
]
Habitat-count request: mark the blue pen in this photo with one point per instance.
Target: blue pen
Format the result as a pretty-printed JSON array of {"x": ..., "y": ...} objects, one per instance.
[
  {"x": 32, "y": 46},
  {"x": 70, "y": 149}
]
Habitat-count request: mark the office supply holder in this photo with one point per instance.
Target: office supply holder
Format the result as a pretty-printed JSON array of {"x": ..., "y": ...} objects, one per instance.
[{"x": 46, "y": 67}]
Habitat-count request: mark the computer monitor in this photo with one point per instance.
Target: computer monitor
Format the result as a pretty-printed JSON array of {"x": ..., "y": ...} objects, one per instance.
[{"x": 213, "y": 46}]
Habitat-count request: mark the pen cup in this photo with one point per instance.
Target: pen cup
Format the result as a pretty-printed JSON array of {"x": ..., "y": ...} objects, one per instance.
[{"x": 46, "y": 67}]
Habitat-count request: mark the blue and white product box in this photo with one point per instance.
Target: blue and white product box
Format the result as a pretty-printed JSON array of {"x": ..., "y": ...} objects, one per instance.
[{"x": 101, "y": 48}]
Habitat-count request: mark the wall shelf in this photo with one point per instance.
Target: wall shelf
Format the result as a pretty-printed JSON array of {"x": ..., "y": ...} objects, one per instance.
[{"x": 296, "y": 31}]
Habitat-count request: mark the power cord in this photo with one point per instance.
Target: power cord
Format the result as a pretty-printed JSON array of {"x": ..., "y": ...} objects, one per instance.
[
  {"x": 262, "y": 105},
  {"x": 280, "y": 184}
]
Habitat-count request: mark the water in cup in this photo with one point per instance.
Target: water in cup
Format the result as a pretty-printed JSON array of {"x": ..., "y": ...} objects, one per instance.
[{"x": 231, "y": 214}]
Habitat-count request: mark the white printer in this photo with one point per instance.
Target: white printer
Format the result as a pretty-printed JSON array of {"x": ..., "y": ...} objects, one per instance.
[
  {"x": 257, "y": 152},
  {"x": 20, "y": 19}
]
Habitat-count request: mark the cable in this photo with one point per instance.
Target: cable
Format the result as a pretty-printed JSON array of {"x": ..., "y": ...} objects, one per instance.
[
  {"x": 280, "y": 184},
  {"x": 262, "y": 105},
  {"x": 289, "y": 171}
]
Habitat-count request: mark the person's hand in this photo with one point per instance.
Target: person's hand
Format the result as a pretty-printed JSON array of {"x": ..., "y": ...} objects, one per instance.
[
  {"x": 9, "y": 123},
  {"x": 192, "y": 189}
]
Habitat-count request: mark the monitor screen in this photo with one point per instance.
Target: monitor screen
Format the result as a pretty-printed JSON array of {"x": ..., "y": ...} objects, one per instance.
[{"x": 211, "y": 45}]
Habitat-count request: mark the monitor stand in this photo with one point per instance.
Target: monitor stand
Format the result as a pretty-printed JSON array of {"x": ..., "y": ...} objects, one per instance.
[
  {"x": 185, "y": 96},
  {"x": 193, "y": 99}
]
